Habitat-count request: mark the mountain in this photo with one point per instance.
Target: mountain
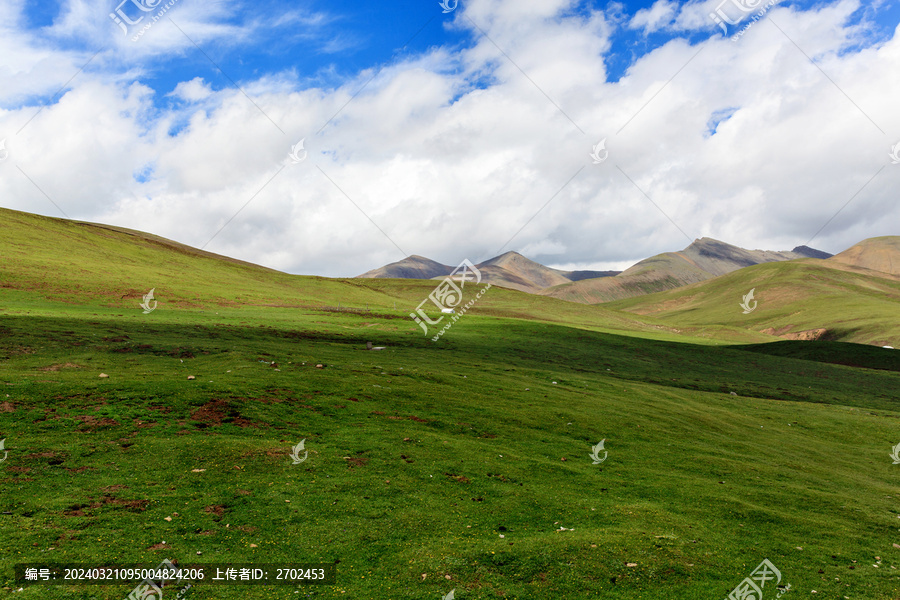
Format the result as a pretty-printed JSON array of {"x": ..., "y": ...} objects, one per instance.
[
  {"x": 878, "y": 254},
  {"x": 510, "y": 270},
  {"x": 704, "y": 259},
  {"x": 411, "y": 267},
  {"x": 798, "y": 300}
]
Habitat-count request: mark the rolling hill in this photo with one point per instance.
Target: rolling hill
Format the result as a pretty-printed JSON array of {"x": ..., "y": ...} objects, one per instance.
[
  {"x": 878, "y": 254},
  {"x": 703, "y": 259},
  {"x": 112, "y": 268},
  {"x": 800, "y": 299}
]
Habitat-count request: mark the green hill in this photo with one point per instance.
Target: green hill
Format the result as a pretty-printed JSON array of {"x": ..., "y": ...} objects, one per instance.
[
  {"x": 704, "y": 259},
  {"x": 86, "y": 264},
  {"x": 461, "y": 464},
  {"x": 805, "y": 299}
]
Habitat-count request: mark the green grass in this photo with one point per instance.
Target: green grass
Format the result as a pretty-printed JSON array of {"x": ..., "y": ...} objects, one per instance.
[
  {"x": 422, "y": 455},
  {"x": 446, "y": 446},
  {"x": 858, "y": 306}
]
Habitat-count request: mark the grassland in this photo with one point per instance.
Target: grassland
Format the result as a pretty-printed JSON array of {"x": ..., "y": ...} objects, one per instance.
[
  {"x": 423, "y": 455},
  {"x": 852, "y": 304}
]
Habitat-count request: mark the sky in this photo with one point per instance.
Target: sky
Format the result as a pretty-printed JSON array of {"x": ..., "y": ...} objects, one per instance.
[{"x": 331, "y": 138}]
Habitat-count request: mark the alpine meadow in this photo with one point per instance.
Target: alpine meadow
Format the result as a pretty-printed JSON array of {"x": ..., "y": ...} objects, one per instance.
[{"x": 450, "y": 300}]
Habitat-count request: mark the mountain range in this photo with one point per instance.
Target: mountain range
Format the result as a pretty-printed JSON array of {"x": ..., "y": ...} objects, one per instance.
[
  {"x": 510, "y": 270},
  {"x": 704, "y": 259}
]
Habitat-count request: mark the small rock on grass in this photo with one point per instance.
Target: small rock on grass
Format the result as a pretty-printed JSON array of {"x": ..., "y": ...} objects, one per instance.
[
  {"x": 190, "y": 377},
  {"x": 104, "y": 376}
]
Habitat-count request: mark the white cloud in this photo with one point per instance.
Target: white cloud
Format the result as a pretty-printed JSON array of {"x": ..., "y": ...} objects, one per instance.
[
  {"x": 654, "y": 18},
  {"x": 192, "y": 91},
  {"x": 452, "y": 152}
]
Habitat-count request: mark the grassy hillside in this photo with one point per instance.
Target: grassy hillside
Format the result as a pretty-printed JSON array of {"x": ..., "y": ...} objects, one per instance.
[
  {"x": 84, "y": 266},
  {"x": 704, "y": 259},
  {"x": 850, "y": 304},
  {"x": 457, "y": 465}
]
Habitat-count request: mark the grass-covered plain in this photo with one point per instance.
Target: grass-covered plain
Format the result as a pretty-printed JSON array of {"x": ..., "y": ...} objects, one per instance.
[{"x": 423, "y": 455}]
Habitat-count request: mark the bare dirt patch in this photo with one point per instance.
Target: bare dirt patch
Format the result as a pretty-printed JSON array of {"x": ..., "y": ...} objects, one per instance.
[
  {"x": 216, "y": 412},
  {"x": 59, "y": 366},
  {"x": 41, "y": 455},
  {"x": 779, "y": 331},
  {"x": 212, "y": 412},
  {"x": 79, "y": 469},
  {"x": 7, "y": 407},
  {"x": 92, "y": 421},
  {"x": 158, "y": 547},
  {"x": 357, "y": 461},
  {"x": 810, "y": 334},
  {"x": 215, "y": 509},
  {"x": 459, "y": 478}
]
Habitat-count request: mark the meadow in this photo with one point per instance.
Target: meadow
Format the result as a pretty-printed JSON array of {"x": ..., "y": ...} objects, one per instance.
[{"x": 460, "y": 465}]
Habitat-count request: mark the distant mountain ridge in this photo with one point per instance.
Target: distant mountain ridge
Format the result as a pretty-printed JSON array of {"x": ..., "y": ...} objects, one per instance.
[
  {"x": 704, "y": 259},
  {"x": 509, "y": 270}
]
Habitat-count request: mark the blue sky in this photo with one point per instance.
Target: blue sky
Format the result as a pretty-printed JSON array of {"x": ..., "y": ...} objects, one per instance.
[{"x": 457, "y": 133}]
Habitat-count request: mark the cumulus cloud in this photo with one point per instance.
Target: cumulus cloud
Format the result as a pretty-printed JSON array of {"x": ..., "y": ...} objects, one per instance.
[
  {"x": 463, "y": 150},
  {"x": 656, "y": 17}
]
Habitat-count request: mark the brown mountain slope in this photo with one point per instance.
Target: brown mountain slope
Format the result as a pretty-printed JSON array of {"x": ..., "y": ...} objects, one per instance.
[
  {"x": 879, "y": 254},
  {"x": 509, "y": 270},
  {"x": 515, "y": 267},
  {"x": 411, "y": 267},
  {"x": 704, "y": 259}
]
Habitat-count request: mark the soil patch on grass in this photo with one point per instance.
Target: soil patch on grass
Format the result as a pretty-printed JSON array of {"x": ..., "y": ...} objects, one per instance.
[{"x": 59, "y": 366}]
